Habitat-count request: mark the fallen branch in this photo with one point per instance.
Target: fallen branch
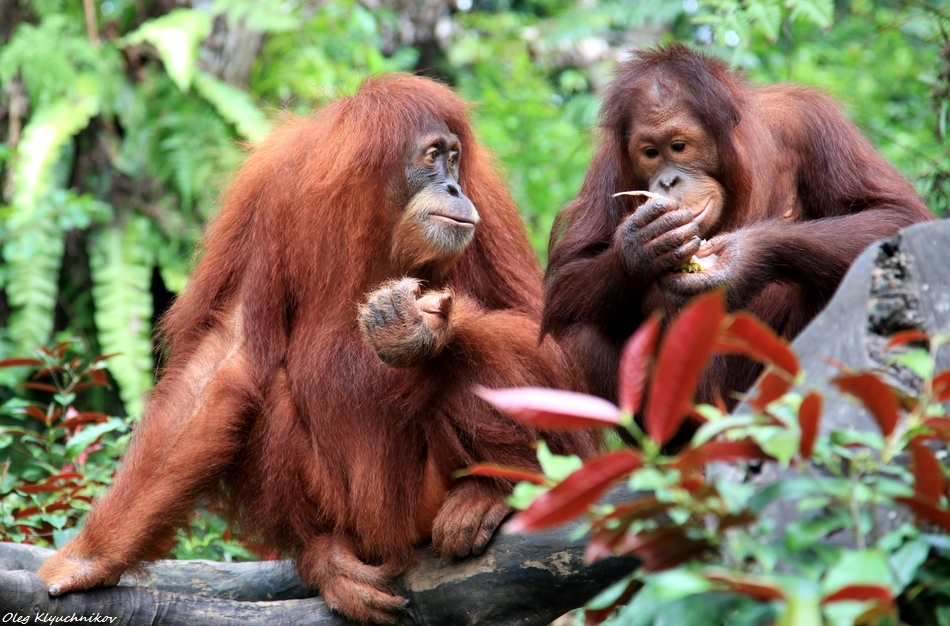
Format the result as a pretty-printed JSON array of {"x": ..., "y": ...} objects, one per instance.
[{"x": 525, "y": 579}]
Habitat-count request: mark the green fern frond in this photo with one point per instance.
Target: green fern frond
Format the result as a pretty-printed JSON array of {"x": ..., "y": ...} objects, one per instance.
[
  {"x": 821, "y": 13},
  {"x": 197, "y": 152},
  {"x": 182, "y": 142},
  {"x": 176, "y": 37},
  {"x": 234, "y": 105},
  {"x": 121, "y": 262},
  {"x": 766, "y": 15},
  {"x": 67, "y": 65},
  {"x": 266, "y": 16},
  {"x": 33, "y": 249},
  {"x": 44, "y": 137},
  {"x": 33, "y": 258}
]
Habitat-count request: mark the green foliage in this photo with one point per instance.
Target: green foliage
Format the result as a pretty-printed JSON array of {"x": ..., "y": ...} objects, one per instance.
[
  {"x": 734, "y": 22},
  {"x": 58, "y": 456},
  {"x": 267, "y": 17},
  {"x": 121, "y": 261},
  {"x": 114, "y": 110},
  {"x": 318, "y": 59},
  {"x": 209, "y": 538},
  {"x": 885, "y": 62},
  {"x": 234, "y": 106},
  {"x": 535, "y": 121},
  {"x": 69, "y": 68},
  {"x": 176, "y": 37},
  {"x": 33, "y": 257}
]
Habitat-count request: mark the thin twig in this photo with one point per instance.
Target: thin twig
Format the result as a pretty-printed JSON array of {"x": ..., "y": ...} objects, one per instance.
[{"x": 92, "y": 29}]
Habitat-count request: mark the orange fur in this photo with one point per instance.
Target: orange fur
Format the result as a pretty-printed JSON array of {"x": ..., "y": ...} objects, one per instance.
[{"x": 273, "y": 402}]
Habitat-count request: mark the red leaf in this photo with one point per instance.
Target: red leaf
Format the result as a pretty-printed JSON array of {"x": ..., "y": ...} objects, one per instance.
[
  {"x": 861, "y": 593},
  {"x": 809, "y": 415},
  {"x": 504, "y": 472},
  {"x": 907, "y": 336},
  {"x": 46, "y": 371},
  {"x": 929, "y": 481},
  {"x": 611, "y": 528},
  {"x": 635, "y": 363},
  {"x": 97, "y": 378},
  {"x": 939, "y": 424},
  {"x": 40, "y": 387},
  {"x": 662, "y": 548},
  {"x": 20, "y": 362},
  {"x": 60, "y": 349},
  {"x": 712, "y": 451},
  {"x": 58, "y": 506},
  {"x": 552, "y": 408},
  {"x": 941, "y": 386},
  {"x": 84, "y": 417},
  {"x": 736, "y": 520},
  {"x": 875, "y": 395},
  {"x": 927, "y": 510},
  {"x": 578, "y": 491},
  {"x": 751, "y": 586},
  {"x": 644, "y": 507},
  {"x": 31, "y": 510},
  {"x": 53, "y": 483},
  {"x": 686, "y": 350},
  {"x": 751, "y": 337},
  {"x": 36, "y": 413},
  {"x": 771, "y": 387}
]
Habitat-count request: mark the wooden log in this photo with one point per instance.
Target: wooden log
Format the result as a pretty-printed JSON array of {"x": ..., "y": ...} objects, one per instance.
[{"x": 521, "y": 579}]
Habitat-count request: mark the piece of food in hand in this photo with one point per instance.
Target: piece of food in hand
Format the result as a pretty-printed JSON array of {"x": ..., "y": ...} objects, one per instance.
[
  {"x": 643, "y": 194},
  {"x": 696, "y": 264},
  {"x": 693, "y": 266}
]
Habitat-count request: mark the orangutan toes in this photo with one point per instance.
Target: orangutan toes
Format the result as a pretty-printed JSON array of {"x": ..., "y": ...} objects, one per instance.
[
  {"x": 467, "y": 520},
  {"x": 68, "y": 573}
]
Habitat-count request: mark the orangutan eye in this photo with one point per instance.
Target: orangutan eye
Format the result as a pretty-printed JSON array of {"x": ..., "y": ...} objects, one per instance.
[
  {"x": 431, "y": 154},
  {"x": 678, "y": 146},
  {"x": 651, "y": 153}
]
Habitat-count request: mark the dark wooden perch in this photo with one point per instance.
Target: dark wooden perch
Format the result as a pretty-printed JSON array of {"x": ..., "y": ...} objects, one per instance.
[{"x": 519, "y": 580}]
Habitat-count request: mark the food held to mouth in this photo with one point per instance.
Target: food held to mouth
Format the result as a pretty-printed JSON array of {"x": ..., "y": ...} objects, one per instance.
[{"x": 693, "y": 266}]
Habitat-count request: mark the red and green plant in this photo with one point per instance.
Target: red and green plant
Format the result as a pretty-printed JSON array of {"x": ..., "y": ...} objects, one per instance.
[
  {"x": 709, "y": 552},
  {"x": 56, "y": 456}
]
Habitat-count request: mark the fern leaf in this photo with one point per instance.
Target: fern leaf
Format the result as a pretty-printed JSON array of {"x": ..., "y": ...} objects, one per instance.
[
  {"x": 766, "y": 15},
  {"x": 33, "y": 257},
  {"x": 33, "y": 250},
  {"x": 234, "y": 105},
  {"x": 121, "y": 264},
  {"x": 818, "y": 12},
  {"x": 269, "y": 16},
  {"x": 176, "y": 37},
  {"x": 44, "y": 137}
]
